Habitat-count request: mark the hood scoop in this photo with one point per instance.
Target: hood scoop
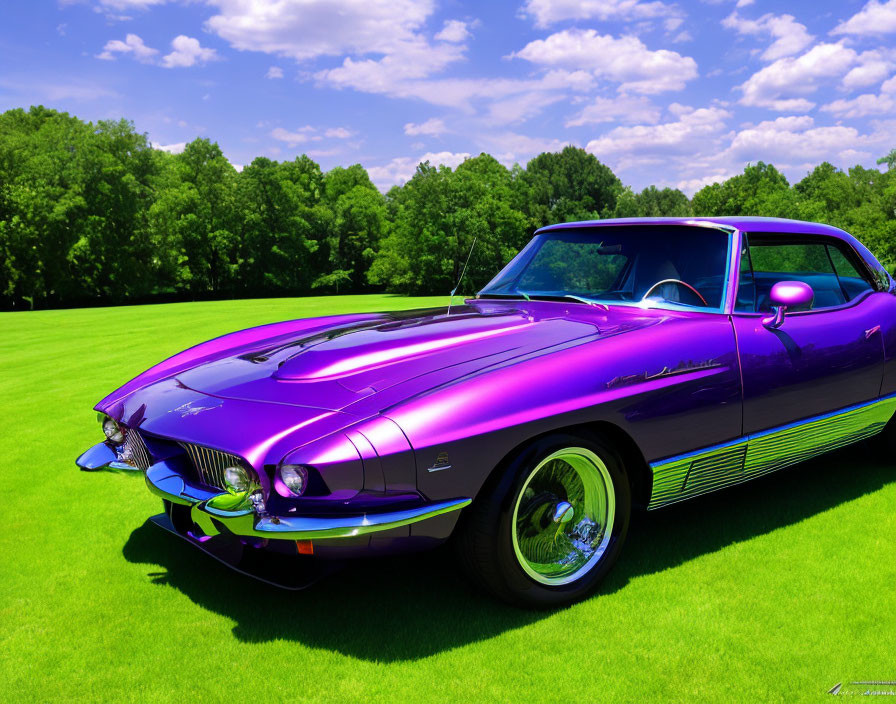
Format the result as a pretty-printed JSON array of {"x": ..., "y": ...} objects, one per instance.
[
  {"x": 376, "y": 349},
  {"x": 335, "y": 370}
]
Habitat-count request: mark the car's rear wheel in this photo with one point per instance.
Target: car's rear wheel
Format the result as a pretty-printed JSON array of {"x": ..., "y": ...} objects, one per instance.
[{"x": 550, "y": 524}]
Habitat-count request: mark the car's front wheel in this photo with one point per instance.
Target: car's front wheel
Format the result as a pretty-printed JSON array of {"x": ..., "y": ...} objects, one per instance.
[{"x": 550, "y": 524}]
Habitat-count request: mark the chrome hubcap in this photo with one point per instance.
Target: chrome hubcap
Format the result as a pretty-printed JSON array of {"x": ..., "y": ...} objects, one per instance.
[{"x": 563, "y": 516}]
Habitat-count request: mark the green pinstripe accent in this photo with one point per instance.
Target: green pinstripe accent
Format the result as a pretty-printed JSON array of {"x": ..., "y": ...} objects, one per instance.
[{"x": 695, "y": 473}]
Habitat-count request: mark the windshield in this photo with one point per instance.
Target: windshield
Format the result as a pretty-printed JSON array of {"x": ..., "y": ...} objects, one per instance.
[{"x": 679, "y": 265}]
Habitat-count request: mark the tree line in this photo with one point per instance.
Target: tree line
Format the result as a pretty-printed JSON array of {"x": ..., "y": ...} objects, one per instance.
[{"x": 92, "y": 213}]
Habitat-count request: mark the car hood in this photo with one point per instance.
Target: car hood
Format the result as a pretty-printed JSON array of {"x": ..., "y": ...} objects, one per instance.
[{"x": 340, "y": 367}]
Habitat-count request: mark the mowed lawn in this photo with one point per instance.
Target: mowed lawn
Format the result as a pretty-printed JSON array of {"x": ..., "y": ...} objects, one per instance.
[{"x": 774, "y": 591}]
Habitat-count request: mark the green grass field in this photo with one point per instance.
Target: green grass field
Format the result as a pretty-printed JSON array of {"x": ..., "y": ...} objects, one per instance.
[{"x": 773, "y": 591}]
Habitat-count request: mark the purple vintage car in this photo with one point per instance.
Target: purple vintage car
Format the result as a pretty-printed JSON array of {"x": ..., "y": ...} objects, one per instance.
[{"x": 610, "y": 365}]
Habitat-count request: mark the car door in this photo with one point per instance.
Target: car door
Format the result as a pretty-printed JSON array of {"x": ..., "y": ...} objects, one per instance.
[{"x": 802, "y": 380}]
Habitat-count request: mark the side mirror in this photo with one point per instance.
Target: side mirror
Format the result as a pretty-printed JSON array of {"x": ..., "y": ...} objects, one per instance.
[{"x": 784, "y": 295}]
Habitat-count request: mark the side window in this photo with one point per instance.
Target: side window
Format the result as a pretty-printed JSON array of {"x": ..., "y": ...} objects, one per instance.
[
  {"x": 822, "y": 263},
  {"x": 852, "y": 282},
  {"x": 746, "y": 286}
]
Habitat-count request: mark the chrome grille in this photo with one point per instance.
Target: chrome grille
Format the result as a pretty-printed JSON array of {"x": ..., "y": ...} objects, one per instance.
[
  {"x": 135, "y": 451},
  {"x": 210, "y": 464}
]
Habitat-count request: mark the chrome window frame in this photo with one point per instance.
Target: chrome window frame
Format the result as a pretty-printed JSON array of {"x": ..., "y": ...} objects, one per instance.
[
  {"x": 724, "y": 307},
  {"x": 867, "y": 275}
]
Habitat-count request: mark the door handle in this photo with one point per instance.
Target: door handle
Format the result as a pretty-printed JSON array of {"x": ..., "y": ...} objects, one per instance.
[{"x": 870, "y": 331}]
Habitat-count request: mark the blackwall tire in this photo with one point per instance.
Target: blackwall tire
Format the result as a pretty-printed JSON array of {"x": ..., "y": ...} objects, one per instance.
[{"x": 550, "y": 523}]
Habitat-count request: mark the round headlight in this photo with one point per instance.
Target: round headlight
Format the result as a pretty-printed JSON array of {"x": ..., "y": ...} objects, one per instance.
[
  {"x": 236, "y": 479},
  {"x": 112, "y": 431},
  {"x": 294, "y": 478}
]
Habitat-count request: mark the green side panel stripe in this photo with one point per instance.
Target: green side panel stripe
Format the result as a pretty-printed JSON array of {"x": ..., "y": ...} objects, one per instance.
[{"x": 695, "y": 473}]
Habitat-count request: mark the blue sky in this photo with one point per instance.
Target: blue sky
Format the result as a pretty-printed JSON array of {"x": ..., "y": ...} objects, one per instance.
[{"x": 671, "y": 93}]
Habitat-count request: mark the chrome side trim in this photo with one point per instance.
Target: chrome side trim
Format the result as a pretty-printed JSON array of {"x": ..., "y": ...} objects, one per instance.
[
  {"x": 702, "y": 471},
  {"x": 165, "y": 482},
  {"x": 308, "y": 528}
]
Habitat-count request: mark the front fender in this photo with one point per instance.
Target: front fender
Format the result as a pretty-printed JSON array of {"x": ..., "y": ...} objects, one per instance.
[{"x": 672, "y": 387}]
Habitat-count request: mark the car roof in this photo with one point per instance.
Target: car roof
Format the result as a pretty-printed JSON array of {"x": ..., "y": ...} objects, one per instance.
[{"x": 740, "y": 222}]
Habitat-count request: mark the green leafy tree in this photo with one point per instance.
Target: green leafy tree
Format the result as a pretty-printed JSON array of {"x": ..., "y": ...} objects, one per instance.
[
  {"x": 75, "y": 197},
  {"x": 91, "y": 212},
  {"x": 889, "y": 160},
  {"x": 760, "y": 190},
  {"x": 652, "y": 202},
  {"x": 355, "y": 229},
  {"x": 283, "y": 223},
  {"x": 565, "y": 186},
  {"x": 438, "y": 213},
  {"x": 195, "y": 222}
]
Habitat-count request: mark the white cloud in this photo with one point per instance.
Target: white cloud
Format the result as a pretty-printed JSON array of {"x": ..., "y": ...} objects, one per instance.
[
  {"x": 113, "y": 9},
  {"x": 132, "y": 45},
  {"x": 691, "y": 185},
  {"x": 790, "y": 36},
  {"x": 862, "y": 105},
  {"x": 415, "y": 60},
  {"x": 783, "y": 84},
  {"x": 874, "y": 66},
  {"x": 187, "y": 52},
  {"x": 672, "y": 23},
  {"x": 453, "y": 31},
  {"x": 461, "y": 93},
  {"x": 866, "y": 104},
  {"x": 692, "y": 132},
  {"x": 313, "y": 28},
  {"x": 401, "y": 169},
  {"x": 390, "y": 30},
  {"x": 129, "y": 4},
  {"x": 509, "y": 147},
  {"x": 792, "y": 141},
  {"x": 291, "y": 138},
  {"x": 520, "y": 107},
  {"x": 745, "y": 3},
  {"x": 791, "y": 123},
  {"x": 308, "y": 134},
  {"x": 433, "y": 127},
  {"x": 384, "y": 48},
  {"x": 548, "y": 12},
  {"x": 274, "y": 72},
  {"x": 23, "y": 92},
  {"x": 625, "y": 60},
  {"x": 698, "y": 148},
  {"x": 875, "y": 18},
  {"x": 622, "y": 108},
  {"x": 175, "y": 148}
]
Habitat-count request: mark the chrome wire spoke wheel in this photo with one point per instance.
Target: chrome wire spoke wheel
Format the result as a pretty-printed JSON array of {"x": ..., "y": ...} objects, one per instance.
[{"x": 563, "y": 518}]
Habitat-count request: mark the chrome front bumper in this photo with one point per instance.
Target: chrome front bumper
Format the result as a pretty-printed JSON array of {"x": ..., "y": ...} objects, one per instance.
[{"x": 164, "y": 481}]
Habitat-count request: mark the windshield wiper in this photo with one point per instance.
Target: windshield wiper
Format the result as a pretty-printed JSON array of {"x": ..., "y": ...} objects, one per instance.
[
  {"x": 547, "y": 297},
  {"x": 589, "y": 301},
  {"x": 572, "y": 296}
]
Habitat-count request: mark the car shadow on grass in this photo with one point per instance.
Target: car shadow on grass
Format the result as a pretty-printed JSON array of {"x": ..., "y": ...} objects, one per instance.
[{"x": 410, "y": 607}]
